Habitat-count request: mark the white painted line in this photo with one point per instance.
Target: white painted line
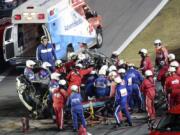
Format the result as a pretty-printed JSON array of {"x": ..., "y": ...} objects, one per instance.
[
  {"x": 142, "y": 26},
  {"x": 4, "y": 74}
]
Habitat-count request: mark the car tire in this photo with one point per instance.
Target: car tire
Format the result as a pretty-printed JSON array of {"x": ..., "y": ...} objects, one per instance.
[{"x": 99, "y": 38}]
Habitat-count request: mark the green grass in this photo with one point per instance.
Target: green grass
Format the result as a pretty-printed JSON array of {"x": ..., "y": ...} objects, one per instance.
[{"x": 166, "y": 26}]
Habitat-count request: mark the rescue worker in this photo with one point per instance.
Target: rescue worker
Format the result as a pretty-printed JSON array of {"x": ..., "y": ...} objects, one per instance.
[
  {"x": 177, "y": 67},
  {"x": 115, "y": 58},
  {"x": 63, "y": 68},
  {"x": 128, "y": 82},
  {"x": 53, "y": 85},
  {"x": 45, "y": 52},
  {"x": 44, "y": 73},
  {"x": 161, "y": 53},
  {"x": 149, "y": 90},
  {"x": 111, "y": 76},
  {"x": 75, "y": 101},
  {"x": 137, "y": 79},
  {"x": 28, "y": 71},
  {"x": 172, "y": 86},
  {"x": 89, "y": 86},
  {"x": 76, "y": 75},
  {"x": 59, "y": 96},
  {"x": 121, "y": 102},
  {"x": 146, "y": 63},
  {"x": 102, "y": 84}
]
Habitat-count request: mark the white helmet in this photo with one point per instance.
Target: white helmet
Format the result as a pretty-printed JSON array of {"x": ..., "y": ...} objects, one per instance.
[
  {"x": 157, "y": 41},
  {"x": 93, "y": 72},
  {"x": 121, "y": 70},
  {"x": 58, "y": 62},
  {"x": 72, "y": 55},
  {"x": 115, "y": 53},
  {"x": 81, "y": 56},
  {"x": 121, "y": 61},
  {"x": 74, "y": 88},
  {"x": 171, "y": 57},
  {"x": 30, "y": 63},
  {"x": 148, "y": 73},
  {"x": 174, "y": 64},
  {"x": 144, "y": 51},
  {"x": 171, "y": 69},
  {"x": 118, "y": 79},
  {"x": 55, "y": 76},
  {"x": 131, "y": 65},
  {"x": 112, "y": 74},
  {"x": 62, "y": 82},
  {"x": 112, "y": 68},
  {"x": 104, "y": 67},
  {"x": 102, "y": 72},
  {"x": 79, "y": 65},
  {"x": 46, "y": 65}
]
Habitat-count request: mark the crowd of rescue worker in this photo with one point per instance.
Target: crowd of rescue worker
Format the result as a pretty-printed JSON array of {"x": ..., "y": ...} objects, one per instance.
[{"x": 132, "y": 88}]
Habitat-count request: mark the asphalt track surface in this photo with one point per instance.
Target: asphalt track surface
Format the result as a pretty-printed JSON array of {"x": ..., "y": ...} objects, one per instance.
[{"x": 120, "y": 19}]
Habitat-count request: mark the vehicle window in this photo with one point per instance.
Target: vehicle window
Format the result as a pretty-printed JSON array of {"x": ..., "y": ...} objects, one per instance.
[
  {"x": 169, "y": 123},
  {"x": 8, "y": 34}
]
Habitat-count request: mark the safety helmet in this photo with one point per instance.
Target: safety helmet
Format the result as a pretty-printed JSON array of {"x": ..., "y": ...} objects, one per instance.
[
  {"x": 72, "y": 55},
  {"x": 112, "y": 68},
  {"x": 115, "y": 53},
  {"x": 171, "y": 57},
  {"x": 117, "y": 79},
  {"x": 93, "y": 72},
  {"x": 121, "y": 70},
  {"x": 148, "y": 73},
  {"x": 62, "y": 82},
  {"x": 81, "y": 56},
  {"x": 74, "y": 88},
  {"x": 157, "y": 41},
  {"x": 171, "y": 69},
  {"x": 79, "y": 65},
  {"x": 102, "y": 72},
  {"x": 174, "y": 64},
  {"x": 55, "y": 76},
  {"x": 30, "y": 63},
  {"x": 143, "y": 50},
  {"x": 112, "y": 74},
  {"x": 46, "y": 65},
  {"x": 58, "y": 63},
  {"x": 130, "y": 65},
  {"x": 104, "y": 67}
]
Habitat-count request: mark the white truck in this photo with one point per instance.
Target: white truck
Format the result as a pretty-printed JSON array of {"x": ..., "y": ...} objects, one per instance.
[{"x": 62, "y": 21}]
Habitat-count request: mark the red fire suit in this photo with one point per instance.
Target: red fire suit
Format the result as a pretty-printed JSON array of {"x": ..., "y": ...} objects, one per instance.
[
  {"x": 172, "y": 86},
  {"x": 178, "y": 71},
  {"x": 59, "y": 100},
  {"x": 162, "y": 74},
  {"x": 161, "y": 55},
  {"x": 75, "y": 77},
  {"x": 148, "y": 88},
  {"x": 65, "y": 67},
  {"x": 146, "y": 64}
]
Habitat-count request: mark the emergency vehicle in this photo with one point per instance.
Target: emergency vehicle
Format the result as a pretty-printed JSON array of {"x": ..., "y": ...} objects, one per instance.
[{"x": 62, "y": 21}]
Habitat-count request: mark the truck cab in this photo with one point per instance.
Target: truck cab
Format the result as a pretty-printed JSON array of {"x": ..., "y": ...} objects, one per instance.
[{"x": 62, "y": 21}]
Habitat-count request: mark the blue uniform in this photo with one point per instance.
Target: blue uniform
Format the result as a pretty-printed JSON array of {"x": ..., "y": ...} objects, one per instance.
[
  {"x": 137, "y": 79},
  {"x": 44, "y": 74},
  {"x": 102, "y": 86},
  {"x": 121, "y": 102},
  {"x": 89, "y": 87},
  {"x": 74, "y": 101},
  {"x": 128, "y": 81},
  {"x": 46, "y": 53},
  {"x": 28, "y": 72}
]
